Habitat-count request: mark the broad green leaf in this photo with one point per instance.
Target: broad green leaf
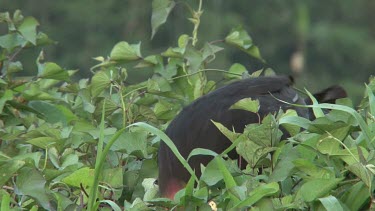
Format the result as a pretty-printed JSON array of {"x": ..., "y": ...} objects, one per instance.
[
  {"x": 174, "y": 52},
  {"x": 11, "y": 41},
  {"x": 232, "y": 136},
  {"x": 266, "y": 134},
  {"x": 85, "y": 95},
  {"x": 252, "y": 152},
  {"x": 31, "y": 182},
  {"x": 52, "y": 113},
  {"x": 332, "y": 146},
  {"x": 331, "y": 203},
  {"x": 132, "y": 142},
  {"x": 295, "y": 128},
  {"x": 158, "y": 84},
  {"x": 99, "y": 82},
  {"x": 312, "y": 171},
  {"x": 258, "y": 193},
  {"x": 194, "y": 58},
  {"x": 209, "y": 52},
  {"x": 160, "y": 12},
  {"x": 28, "y": 29},
  {"x": 235, "y": 71},
  {"x": 239, "y": 38},
  {"x": 52, "y": 71},
  {"x": 84, "y": 176},
  {"x": 125, "y": 52},
  {"x": 211, "y": 174},
  {"x": 314, "y": 189},
  {"x": 247, "y": 104},
  {"x": 115, "y": 178},
  {"x": 284, "y": 166},
  {"x": 43, "y": 142},
  {"x": 151, "y": 189},
  {"x": 165, "y": 110},
  {"x": 69, "y": 160},
  {"x": 8, "y": 169}
]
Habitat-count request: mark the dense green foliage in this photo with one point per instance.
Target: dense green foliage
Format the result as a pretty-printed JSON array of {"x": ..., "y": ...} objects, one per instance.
[
  {"x": 92, "y": 144},
  {"x": 334, "y": 37}
]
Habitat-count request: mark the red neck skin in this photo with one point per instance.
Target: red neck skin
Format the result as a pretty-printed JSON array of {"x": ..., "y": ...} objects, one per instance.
[{"x": 172, "y": 188}]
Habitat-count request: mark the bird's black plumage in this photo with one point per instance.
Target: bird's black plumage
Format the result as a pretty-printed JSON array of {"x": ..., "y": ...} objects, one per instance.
[{"x": 192, "y": 128}]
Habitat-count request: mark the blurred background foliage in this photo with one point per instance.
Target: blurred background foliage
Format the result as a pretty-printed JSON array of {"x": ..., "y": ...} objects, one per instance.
[{"x": 319, "y": 42}]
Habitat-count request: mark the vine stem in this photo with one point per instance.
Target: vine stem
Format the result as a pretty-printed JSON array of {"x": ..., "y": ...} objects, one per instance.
[{"x": 196, "y": 22}]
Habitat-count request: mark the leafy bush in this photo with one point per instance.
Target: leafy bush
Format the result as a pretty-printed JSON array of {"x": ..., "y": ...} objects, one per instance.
[{"x": 69, "y": 145}]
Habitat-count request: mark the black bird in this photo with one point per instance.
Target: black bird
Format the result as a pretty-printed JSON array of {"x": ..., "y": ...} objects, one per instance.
[{"x": 192, "y": 128}]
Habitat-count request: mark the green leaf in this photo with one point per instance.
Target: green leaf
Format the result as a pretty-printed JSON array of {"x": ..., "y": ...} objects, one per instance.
[
  {"x": 311, "y": 170},
  {"x": 314, "y": 189},
  {"x": 8, "y": 169},
  {"x": 235, "y": 71},
  {"x": 362, "y": 172},
  {"x": 99, "y": 82},
  {"x": 53, "y": 113},
  {"x": 52, "y": 71},
  {"x": 293, "y": 129},
  {"x": 158, "y": 84},
  {"x": 84, "y": 176},
  {"x": 160, "y": 12},
  {"x": 194, "y": 58},
  {"x": 42, "y": 142},
  {"x": 209, "y": 52},
  {"x": 232, "y": 136},
  {"x": 31, "y": 182},
  {"x": 331, "y": 203},
  {"x": 5, "y": 202},
  {"x": 211, "y": 174},
  {"x": 183, "y": 40},
  {"x": 28, "y": 29},
  {"x": 239, "y": 38},
  {"x": 356, "y": 196},
  {"x": 258, "y": 193},
  {"x": 247, "y": 104},
  {"x": 165, "y": 110},
  {"x": 11, "y": 41},
  {"x": 122, "y": 51},
  {"x": 131, "y": 142},
  {"x": 252, "y": 152}
]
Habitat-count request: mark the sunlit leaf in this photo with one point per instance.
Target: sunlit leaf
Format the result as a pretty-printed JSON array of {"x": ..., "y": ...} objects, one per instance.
[{"x": 124, "y": 51}]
